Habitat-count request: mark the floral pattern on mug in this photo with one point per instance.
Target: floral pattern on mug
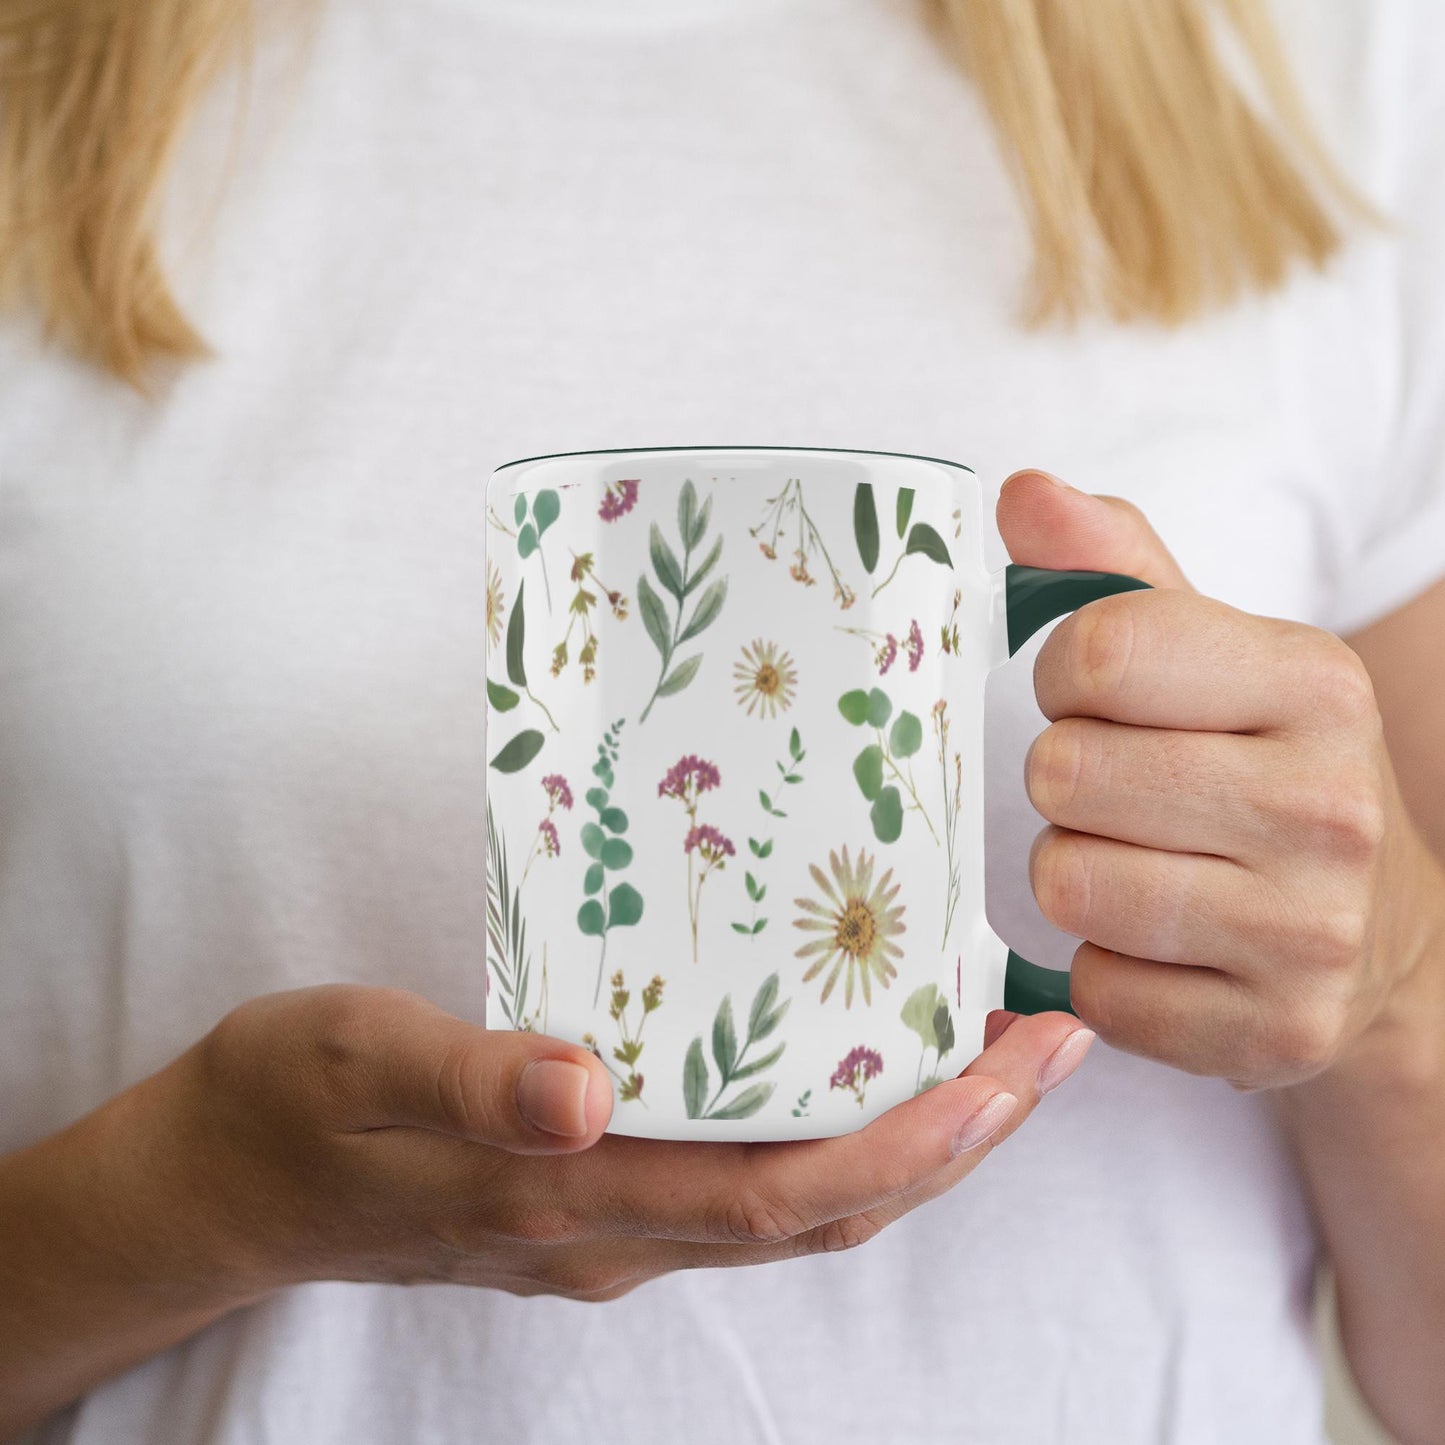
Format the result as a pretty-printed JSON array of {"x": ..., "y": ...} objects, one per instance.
[
  {"x": 859, "y": 923},
  {"x": 766, "y": 679},
  {"x": 855, "y": 1070},
  {"x": 706, "y": 847}
]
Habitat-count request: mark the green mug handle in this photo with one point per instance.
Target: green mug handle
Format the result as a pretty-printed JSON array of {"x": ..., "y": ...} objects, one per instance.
[{"x": 1033, "y": 597}]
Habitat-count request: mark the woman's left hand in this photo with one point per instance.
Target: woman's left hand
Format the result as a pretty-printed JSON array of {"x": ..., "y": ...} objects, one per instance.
[{"x": 1226, "y": 831}]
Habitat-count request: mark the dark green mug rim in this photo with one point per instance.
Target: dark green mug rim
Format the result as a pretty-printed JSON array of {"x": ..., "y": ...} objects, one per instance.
[{"x": 733, "y": 447}]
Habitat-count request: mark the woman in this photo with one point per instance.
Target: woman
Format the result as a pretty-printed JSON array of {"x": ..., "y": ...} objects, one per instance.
[{"x": 239, "y": 746}]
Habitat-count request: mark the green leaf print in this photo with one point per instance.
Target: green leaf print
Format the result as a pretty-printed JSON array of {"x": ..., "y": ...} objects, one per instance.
[
  {"x": 865, "y": 525},
  {"x": 882, "y": 770},
  {"x": 763, "y": 1017},
  {"x": 904, "y": 509},
  {"x": 519, "y": 752},
  {"x": 679, "y": 579}
]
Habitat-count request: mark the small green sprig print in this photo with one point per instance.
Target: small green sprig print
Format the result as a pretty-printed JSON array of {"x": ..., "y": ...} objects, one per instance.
[
  {"x": 533, "y": 517},
  {"x": 926, "y": 1012},
  {"x": 610, "y": 852},
  {"x": 628, "y": 1049},
  {"x": 919, "y": 540},
  {"x": 880, "y": 761},
  {"x": 680, "y": 580},
  {"x": 521, "y": 749},
  {"x": 800, "y": 1109},
  {"x": 700, "y": 1099},
  {"x": 761, "y": 848}
]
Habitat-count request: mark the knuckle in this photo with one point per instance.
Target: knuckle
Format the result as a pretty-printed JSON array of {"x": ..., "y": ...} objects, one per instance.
[
  {"x": 1055, "y": 768},
  {"x": 1344, "y": 818},
  {"x": 851, "y": 1232},
  {"x": 1101, "y": 648},
  {"x": 1342, "y": 682},
  {"x": 752, "y": 1218},
  {"x": 1300, "y": 1044},
  {"x": 524, "y": 1222},
  {"x": 1335, "y": 937},
  {"x": 1358, "y": 817},
  {"x": 1059, "y": 873},
  {"x": 584, "y": 1279}
]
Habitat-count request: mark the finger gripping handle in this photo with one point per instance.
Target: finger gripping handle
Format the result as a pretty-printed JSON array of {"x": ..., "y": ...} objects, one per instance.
[{"x": 1033, "y": 597}]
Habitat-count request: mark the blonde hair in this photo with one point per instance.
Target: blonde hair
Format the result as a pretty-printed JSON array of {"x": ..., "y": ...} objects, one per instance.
[{"x": 1154, "y": 188}]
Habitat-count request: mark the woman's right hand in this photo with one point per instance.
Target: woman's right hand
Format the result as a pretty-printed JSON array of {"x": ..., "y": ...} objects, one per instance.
[{"x": 357, "y": 1133}]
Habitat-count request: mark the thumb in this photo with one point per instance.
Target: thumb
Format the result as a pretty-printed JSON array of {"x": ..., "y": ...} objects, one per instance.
[
  {"x": 1045, "y": 523},
  {"x": 523, "y": 1092}
]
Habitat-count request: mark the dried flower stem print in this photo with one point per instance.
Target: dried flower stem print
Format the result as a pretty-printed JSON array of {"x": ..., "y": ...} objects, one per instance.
[{"x": 780, "y": 515}]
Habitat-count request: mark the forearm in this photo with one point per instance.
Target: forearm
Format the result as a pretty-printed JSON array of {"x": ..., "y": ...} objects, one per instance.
[
  {"x": 102, "y": 1262},
  {"x": 1369, "y": 1135}
]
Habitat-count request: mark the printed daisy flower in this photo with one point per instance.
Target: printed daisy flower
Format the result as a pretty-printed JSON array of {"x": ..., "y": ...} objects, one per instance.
[
  {"x": 619, "y": 499},
  {"x": 854, "y": 1071},
  {"x": 496, "y": 605},
  {"x": 766, "y": 679},
  {"x": 858, "y": 922}
]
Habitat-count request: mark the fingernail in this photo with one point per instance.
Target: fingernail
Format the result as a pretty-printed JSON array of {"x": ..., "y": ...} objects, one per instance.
[
  {"x": 552, "y": 1097},
  {"x": 996, "y": 1025},
  {"x": 1054, "y": 481},
  {"x": 984, "y": 1122},
  {"x": 1065, "y": 1059}
]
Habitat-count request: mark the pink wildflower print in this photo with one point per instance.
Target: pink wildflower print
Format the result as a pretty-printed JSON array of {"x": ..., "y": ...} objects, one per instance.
[
  {"x": 709, "y": 842},
  {"x": 686, "y": 780},
  {"x": 887, "y": 654},
  {"x": 559, "y": 794},
  {"x": 915, "y": 646},
  {"x": 551, "y": 845},
  {"x": 855, "y": 1070},
  {"x": 619, "y": 499},
  {"x": 687, "y": 777}
]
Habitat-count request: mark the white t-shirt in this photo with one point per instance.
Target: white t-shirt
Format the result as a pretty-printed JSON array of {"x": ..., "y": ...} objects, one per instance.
[{"x": 241, "y": 663}]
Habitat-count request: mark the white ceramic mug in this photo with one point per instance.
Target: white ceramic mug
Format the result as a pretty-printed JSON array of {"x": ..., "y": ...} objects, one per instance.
[{"x": 735, "y": 783}]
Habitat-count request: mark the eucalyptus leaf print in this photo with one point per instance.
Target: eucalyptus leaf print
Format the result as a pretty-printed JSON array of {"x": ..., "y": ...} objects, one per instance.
[
  {"x": 700, "y": 1099},
  {"x": 761, "y": 848},
  {"x": 533, "y": 518},
  {"x": 926, "y": 1012},
  {"x": 857, "y": 922},
  {"x": 877, "y": 770},
  {"x": 787, "y": 526},
  {"x": 619, "y": 906},
  {"x": 680, "y": 580},
  {"x": 919, "y": 540},
  {"x": 628, "y": 1050}
]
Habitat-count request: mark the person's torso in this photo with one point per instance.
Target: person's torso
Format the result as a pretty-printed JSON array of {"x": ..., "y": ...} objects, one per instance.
[{"x": 241, "y": 682}]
